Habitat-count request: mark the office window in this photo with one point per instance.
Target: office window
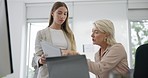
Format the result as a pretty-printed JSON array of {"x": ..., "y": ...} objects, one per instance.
[
  {"x": 32, "y": 31},
  {"x": 139, "y": 35}
]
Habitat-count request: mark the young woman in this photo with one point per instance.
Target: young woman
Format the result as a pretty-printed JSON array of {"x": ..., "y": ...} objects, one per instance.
[{"x": 57, "y": 34}]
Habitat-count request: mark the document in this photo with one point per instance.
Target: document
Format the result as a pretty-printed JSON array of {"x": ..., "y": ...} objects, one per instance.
[{"x": 50, "y": 50}]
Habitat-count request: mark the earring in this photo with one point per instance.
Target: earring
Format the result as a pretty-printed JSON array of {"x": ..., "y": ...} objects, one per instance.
[{"x": 105, "y": 39}]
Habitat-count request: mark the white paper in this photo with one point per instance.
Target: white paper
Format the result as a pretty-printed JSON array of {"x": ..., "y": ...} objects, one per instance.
[{"x": 50, "y": 50}]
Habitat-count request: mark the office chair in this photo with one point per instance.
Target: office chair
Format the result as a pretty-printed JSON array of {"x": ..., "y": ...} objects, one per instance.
[{"x": 141, "y": 62}]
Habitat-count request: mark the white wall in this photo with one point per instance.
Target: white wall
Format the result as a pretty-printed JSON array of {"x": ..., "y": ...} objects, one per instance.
[
  {"x": 86, "y": 13},
  {"x": 83, "y": 18}
]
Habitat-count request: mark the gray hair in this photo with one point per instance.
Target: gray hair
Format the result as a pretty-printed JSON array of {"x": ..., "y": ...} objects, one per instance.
[{"x": 106, "y": 26}]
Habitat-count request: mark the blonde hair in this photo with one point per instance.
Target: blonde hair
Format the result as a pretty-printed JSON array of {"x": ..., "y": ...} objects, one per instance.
[
  {"x": 106, "y": 26},
  {"x": 65, "y": 26}
]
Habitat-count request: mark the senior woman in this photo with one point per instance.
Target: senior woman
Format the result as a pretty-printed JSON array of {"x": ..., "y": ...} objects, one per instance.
[{"x": 111, "y": 57}]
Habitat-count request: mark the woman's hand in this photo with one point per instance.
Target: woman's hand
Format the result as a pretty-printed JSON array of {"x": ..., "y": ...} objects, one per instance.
[
  {"x": 69, "y": 52},
  {"x": 42, "y": 60}
]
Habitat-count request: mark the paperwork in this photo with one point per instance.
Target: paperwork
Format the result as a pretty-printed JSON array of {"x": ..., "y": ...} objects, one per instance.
[{"x": 49, "y": 50}]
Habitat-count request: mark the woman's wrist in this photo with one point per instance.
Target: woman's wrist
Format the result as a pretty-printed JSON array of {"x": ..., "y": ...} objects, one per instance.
[{"x": 39, "y": 63}]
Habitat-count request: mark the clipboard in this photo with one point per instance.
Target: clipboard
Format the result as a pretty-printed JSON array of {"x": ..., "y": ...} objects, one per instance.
[{"x": 68, "y": 67}]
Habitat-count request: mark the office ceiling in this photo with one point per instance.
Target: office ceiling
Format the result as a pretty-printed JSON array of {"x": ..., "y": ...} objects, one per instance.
[{"x": 32, "y": 1}]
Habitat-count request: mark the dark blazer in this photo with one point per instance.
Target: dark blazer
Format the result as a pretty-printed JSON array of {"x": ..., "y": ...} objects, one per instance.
[{"x": 141, "y": 62}]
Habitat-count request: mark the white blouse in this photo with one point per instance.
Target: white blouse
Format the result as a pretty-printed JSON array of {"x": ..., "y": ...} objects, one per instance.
[{"x": 58, "y": 38}]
